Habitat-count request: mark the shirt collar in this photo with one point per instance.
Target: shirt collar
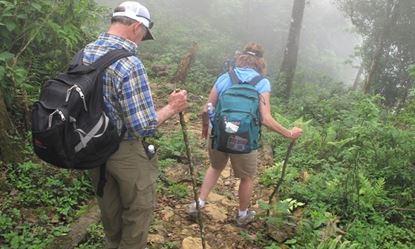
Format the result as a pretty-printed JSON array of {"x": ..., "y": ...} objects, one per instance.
[{"x": 120, "y": 41}]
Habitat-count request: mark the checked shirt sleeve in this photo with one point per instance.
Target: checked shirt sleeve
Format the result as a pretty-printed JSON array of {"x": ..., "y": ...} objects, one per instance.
[{"x": 137, "y": 103}]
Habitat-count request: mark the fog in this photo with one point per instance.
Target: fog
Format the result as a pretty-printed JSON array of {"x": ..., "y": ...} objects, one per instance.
[
  {"x": 221, "y": 27},
  {"x": 327, "y": 33}
]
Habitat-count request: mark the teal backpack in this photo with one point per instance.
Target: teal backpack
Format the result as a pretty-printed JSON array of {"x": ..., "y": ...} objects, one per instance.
[{"x": 237, "y": 124}]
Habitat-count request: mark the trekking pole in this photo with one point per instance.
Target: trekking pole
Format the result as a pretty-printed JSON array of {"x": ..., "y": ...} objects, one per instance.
[
  {"x": 284, "y": 168},
  {"x": 191, "y": 167}
]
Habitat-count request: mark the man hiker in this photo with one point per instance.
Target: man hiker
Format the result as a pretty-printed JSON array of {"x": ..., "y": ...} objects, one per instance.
[
  {"x": 226, "y": 143},
  {"x": 129, "y": 194}
]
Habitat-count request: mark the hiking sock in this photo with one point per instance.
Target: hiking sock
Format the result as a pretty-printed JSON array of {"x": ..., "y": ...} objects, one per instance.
[
  {"x": 201, "y": 203},
  {"x": 242, "y": 213}
]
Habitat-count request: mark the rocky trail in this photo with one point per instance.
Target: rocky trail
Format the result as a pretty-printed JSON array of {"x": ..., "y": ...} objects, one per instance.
[
  {"x": 218, "y": 217},
  {"x": 173, "y": 225}
]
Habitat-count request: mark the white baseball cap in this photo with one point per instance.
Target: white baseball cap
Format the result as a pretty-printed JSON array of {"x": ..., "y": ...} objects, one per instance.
[{"x": 137, "y": 12}]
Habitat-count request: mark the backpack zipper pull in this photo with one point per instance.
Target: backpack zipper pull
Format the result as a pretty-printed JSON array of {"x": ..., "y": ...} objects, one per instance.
[
  {"x": 81, "y": 94},
  {"x": 68, "y": 92},
  {"x": 51, "y": 117}
]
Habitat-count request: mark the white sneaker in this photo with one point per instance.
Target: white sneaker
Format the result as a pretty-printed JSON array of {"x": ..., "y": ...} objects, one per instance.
[
  {"x": 192, "y": 210},
  {"x": 245, "y": 220}
]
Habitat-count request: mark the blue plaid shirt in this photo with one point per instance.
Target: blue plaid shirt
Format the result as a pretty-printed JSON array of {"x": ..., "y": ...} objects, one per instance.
[{"x": 126, "y": 87}]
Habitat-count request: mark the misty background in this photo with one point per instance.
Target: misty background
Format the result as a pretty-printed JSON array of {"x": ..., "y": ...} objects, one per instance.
[{"x": 223, "y": 27}]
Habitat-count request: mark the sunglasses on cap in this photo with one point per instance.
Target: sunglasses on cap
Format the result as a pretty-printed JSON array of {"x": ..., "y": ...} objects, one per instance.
[{"x": 150, "y": 23}]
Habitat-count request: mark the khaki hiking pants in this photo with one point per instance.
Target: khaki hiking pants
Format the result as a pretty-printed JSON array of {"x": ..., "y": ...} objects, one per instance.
[{"x": 129, "y": 196}]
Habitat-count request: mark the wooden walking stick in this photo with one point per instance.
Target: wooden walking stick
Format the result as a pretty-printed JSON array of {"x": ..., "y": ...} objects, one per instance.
[
  {"x": 284, "y": 168},
  {"x": 180, "y": 76},
  {"x": 191, "y": 167}
]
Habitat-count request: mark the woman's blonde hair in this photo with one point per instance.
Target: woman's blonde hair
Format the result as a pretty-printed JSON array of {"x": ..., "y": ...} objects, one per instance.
[{"x": 252, "y": 57}]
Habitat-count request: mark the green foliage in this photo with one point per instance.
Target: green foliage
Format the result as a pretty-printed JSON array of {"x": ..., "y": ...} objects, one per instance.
[
  {"x": 199, "y": 80},
  {"x": 94, "y": 238},
  {"x": 406, "y": 116},
  {"x": 171, "y": 245},
  {"x": 281, "y": 210},
  {"x": 25, "y": 237},
  {"x": 360, "y": 167},
  {"x": 37, "y": 189},
  {"x": 178, "y": 190},
  {"x": 165, "y": 163},
  {"x": 38, "y": 39},
  {"x": 270, "y": 176},
  {"x": 411, "y": 71},
  {"x": 336, "y": 243},
  {"x": 171, "y": 146},
  {"x": 272, "y": 246},
  {"x": 380, "y": 235},
  {"x": 41, "y": 201},
  {"x": 391, "y": 25}
]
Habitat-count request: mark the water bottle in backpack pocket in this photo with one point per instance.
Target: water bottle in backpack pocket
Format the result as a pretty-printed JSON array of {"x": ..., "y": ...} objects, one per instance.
[
  {"x": 211, "y": 113},
  {"x": 237, "y": 133}
]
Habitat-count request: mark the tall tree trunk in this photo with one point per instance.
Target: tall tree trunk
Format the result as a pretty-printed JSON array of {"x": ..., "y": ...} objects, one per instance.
[
  {"x": 392, "y": 14},
  {"x": 357, "y": 79},
  {"x": 289, "y": 63},
  {"x": 184, "y": 66}
]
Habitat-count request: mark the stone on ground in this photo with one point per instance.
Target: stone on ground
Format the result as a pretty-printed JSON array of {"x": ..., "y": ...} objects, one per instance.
[{"x": 193, "y": 243}]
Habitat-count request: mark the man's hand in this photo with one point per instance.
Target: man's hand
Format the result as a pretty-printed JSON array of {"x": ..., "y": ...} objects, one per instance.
[
  {"x": 296, "y": 133},
  {"x": 178, "y": 101}
]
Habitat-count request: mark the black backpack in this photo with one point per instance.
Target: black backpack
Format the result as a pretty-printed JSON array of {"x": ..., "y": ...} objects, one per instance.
[{"x": 69, "y": 127}]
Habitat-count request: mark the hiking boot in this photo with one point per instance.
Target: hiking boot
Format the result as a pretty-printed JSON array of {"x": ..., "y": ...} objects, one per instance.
[
  {"x": 245, "y": 220},
  {"x": 192, "y": 211}
]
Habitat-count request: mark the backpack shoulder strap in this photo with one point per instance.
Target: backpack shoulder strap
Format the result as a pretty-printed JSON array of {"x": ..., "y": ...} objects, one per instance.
[
  {"x": 100, "y": 64},
  {"x": 232, "y": 75},
  {"x": 235, "y": 80},
  {"x": 112, "y": 56},
  {"x": 76, "y": 60},
  {"x": 255, "y": 80}
]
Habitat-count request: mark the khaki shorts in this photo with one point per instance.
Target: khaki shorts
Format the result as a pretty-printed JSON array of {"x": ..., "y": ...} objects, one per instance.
[{"x": 243, "y": 165}]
